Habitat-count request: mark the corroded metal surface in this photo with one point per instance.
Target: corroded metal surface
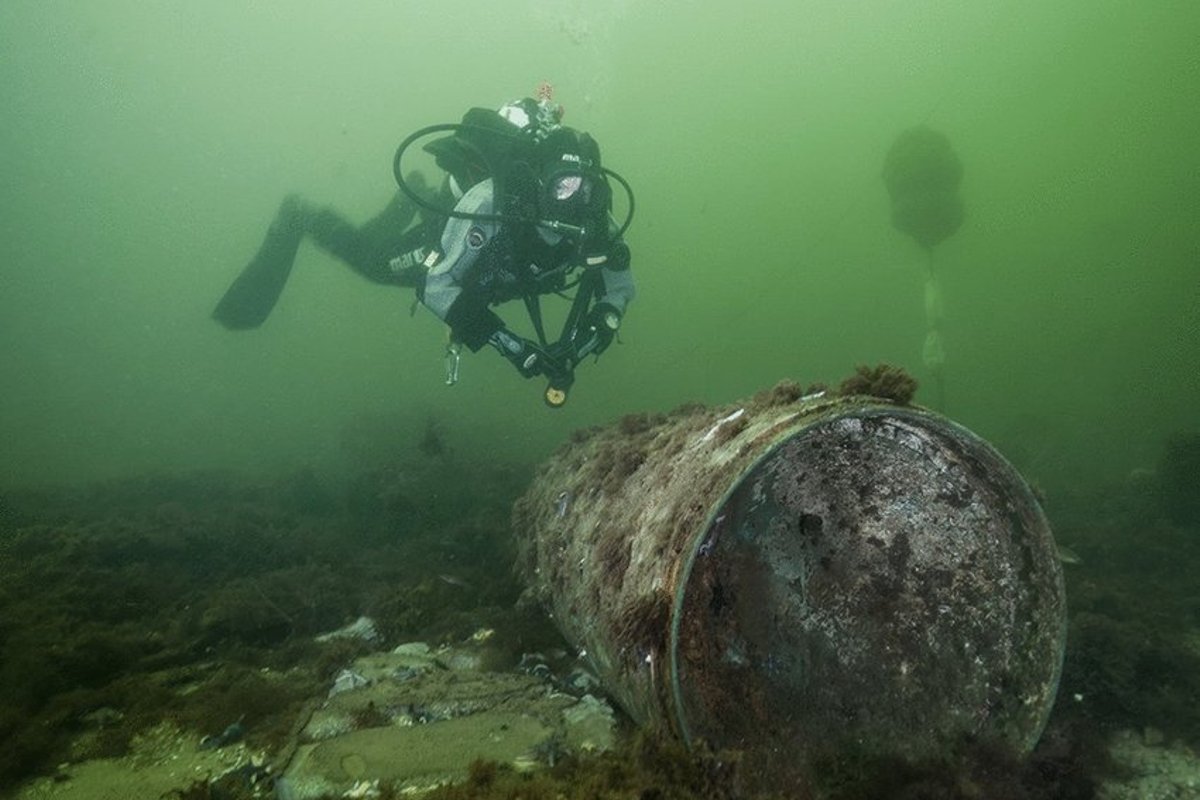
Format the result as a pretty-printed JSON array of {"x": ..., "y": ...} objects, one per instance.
[{"x": 786, "y": 575}]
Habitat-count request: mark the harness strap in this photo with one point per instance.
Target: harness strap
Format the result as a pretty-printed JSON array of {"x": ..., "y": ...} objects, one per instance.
[{"x": 533, "y": 304}]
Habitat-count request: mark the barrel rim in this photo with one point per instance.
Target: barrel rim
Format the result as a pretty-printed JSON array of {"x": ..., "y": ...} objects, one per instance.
[{"x": 861, "y": 407}]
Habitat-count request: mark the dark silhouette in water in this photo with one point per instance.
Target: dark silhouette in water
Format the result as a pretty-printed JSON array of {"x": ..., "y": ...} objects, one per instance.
[{"x": 922, "y": 175}]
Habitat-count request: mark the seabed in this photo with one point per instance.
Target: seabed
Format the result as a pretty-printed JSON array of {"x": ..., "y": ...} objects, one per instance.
[{"x": 167, "y": 636}]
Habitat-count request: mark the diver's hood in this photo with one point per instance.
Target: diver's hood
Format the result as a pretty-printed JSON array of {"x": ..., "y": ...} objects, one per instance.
[{"x": 571, "y": 185}]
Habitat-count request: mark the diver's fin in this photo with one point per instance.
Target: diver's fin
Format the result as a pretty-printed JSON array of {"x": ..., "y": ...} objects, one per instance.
[{"x": 249, "y": 300}]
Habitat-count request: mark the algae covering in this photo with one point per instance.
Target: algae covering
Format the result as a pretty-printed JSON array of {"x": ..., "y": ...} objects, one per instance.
[
  {"x": 790, "y": 576},
  {"x": 147, "y": 621}
]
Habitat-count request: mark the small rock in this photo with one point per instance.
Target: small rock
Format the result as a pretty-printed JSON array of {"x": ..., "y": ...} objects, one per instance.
[
  {"x": 362, "y": 628},
  {"x": 346, "y": 681},
  {"x": 590, "y": 724}
]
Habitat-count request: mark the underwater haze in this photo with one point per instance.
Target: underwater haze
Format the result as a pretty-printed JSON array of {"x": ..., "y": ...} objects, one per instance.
[{"x": 146, "y": 146}]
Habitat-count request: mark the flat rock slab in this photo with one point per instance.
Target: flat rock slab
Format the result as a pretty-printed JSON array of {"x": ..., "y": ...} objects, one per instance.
[
  {"x": 411, "y": 757},
  {"x": 418, "y": 725},
  {"x": 415, "y": 718},
  {"x": 163, "y": 759}
]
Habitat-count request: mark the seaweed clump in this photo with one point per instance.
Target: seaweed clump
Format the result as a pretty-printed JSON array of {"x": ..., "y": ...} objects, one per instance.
[
  {"x": 787, "y": 392},
  {"x": 781, "y": 394},
  {"x": 970, "y": 770},
  {"x": 883, "y": 381},
  {"x": 1131, "y": 661},
  {"x": 194, "y": 600},
  {"x": 646, "y": 766}
]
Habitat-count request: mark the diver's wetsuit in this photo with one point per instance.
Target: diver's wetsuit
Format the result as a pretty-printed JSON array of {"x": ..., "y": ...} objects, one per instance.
[
  {"x": 480, "y": 264},
  {"x": 369, "y": 249},
  {"x": 384, "y": 249},
  {"x": 459, "y": 267}
]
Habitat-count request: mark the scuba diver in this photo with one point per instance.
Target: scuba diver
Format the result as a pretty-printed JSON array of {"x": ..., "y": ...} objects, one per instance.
[{"x": 524, "y": 210}]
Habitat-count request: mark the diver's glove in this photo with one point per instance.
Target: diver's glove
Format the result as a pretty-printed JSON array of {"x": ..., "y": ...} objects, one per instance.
[
  {"x": 596, "y": 332},
  {"x": 525, "y": 355}
]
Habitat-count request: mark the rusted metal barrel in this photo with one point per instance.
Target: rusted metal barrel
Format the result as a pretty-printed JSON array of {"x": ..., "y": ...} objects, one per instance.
[{"x": 792, "y": 575}]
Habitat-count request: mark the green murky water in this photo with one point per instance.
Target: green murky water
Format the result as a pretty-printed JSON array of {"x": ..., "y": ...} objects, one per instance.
[{"x": 145, "y": 147}]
